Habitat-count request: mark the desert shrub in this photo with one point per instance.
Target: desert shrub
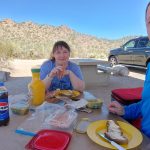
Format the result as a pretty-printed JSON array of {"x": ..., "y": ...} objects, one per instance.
[
  {"x": 28, "y": 40},
  {"x": 6, "y": 53},
  {"x": 6, "y": 50}
]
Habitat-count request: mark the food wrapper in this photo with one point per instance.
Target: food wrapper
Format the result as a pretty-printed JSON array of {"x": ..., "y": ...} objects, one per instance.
[
  {"x": 62, "y": 119},
  {"x": 77, "y": 104}
]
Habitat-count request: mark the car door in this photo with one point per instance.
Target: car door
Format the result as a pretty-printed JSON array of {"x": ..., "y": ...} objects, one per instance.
[
  {"x": 141, "y": 51},
  {"x": 125, "y": 57}
]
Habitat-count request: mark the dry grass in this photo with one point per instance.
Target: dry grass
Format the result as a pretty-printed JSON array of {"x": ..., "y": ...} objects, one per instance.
[{"x": 29, "y": 40}]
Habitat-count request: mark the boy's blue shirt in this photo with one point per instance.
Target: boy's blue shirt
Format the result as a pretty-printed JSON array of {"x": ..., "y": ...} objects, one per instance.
[
  {"x": 142, "y": 108},
  {"x": 64, "y": 82}
]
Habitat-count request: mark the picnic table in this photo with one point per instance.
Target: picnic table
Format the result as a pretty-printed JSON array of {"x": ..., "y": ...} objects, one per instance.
[
  {"x": 93, "y": 76},
  {"x": 9, "y": 140}
]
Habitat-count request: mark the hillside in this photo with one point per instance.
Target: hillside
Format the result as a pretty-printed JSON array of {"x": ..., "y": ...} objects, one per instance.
[{"x": 31, "y": 40}]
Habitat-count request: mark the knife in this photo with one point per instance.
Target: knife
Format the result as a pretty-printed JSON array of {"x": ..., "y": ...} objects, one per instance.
[{"x": 111, "y": 142}]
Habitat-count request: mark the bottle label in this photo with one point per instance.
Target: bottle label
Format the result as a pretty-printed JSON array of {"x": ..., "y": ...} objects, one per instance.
[{"x": 4, "y": 109}]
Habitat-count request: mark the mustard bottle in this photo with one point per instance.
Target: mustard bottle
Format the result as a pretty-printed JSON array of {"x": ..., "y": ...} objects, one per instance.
[{"x": 36, "y": 88}]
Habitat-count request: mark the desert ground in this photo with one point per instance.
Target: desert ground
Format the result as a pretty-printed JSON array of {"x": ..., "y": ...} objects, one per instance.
[{"x": 20, "y": 76}]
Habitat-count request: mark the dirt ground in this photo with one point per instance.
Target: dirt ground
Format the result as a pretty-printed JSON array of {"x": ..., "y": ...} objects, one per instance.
[{"x": 20, "y": 76}]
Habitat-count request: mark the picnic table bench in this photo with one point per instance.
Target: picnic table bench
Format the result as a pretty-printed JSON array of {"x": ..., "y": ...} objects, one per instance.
[{"x": 93, "y": 76}]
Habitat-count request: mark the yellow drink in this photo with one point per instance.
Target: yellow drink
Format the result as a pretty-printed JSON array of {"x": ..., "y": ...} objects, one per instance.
[{"x": 37, "y": 88}]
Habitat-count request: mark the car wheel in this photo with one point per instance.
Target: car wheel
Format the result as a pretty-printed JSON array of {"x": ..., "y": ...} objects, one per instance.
[{"x": 113, "y": 61}]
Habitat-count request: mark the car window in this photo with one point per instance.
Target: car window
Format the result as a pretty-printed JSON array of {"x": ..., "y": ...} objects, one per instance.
[
  {"x": 148, "y": 44},
  {"x": 143, "y": 43},
  {"x": 130, "y": 44}
]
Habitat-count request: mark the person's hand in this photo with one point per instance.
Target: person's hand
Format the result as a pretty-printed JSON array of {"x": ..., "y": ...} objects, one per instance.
[
  {"x": 116, "y": 108},
  {"x": 57, "y": 71}
]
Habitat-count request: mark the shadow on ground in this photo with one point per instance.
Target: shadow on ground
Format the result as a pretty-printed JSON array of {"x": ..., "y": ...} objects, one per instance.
[{"x": 137, "y": 70}]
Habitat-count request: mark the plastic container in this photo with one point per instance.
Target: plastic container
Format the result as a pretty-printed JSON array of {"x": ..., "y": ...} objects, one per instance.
[
  {"x": 4, "y": 108},
  {"x": 49, "y": 140},
  {"x": 82, "y": 124},
  {"x": 36, "y": 88},
  {"x": 20, "y": 108},
  {"x": 95, "y": 104}
]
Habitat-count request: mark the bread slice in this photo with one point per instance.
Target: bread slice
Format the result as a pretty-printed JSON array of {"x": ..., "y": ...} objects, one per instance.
[{"x": 115, "y": 133}]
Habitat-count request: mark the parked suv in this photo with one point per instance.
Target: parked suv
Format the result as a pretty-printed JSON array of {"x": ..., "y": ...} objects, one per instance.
[{"x": 135, "y": 52}]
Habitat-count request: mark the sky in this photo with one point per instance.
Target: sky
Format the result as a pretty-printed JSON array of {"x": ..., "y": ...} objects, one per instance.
[{"x": 109, "y": 19}]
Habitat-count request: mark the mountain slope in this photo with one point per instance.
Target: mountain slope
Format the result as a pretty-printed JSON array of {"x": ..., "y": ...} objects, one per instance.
[{"x": 31, "y": 40}]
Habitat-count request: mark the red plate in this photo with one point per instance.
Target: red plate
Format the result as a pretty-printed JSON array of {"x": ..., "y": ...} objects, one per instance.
[{"x": 49, "y": 140}]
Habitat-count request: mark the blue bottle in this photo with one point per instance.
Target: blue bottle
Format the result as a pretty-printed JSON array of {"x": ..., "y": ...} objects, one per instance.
[{"x": 4, "y": 107}]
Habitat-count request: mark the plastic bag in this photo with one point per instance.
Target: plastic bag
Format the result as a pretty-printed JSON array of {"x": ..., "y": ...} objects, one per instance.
[
  {"x": 45, "y": 117},
  {"x": 77, "y": 104},
  {"x": 61, "y": 119},
  {"x": 120, "y": 70}
]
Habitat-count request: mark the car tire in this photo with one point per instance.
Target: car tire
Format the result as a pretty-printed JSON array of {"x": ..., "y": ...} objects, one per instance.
[{"x": 113, "y": 61}]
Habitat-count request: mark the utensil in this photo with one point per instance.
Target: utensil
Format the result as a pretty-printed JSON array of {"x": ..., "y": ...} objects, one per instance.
[
  {"x": 112, "y": 142},
  {"x": 24, "y": 132},
  {"x": 135, "y": 137}
]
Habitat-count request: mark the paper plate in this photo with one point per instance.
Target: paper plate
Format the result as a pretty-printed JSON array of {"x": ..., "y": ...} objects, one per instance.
[{"x": 134, "y": 135}]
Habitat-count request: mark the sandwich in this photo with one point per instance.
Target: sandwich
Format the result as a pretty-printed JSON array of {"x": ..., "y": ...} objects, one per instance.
[{"x": 114, "y": 132}]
